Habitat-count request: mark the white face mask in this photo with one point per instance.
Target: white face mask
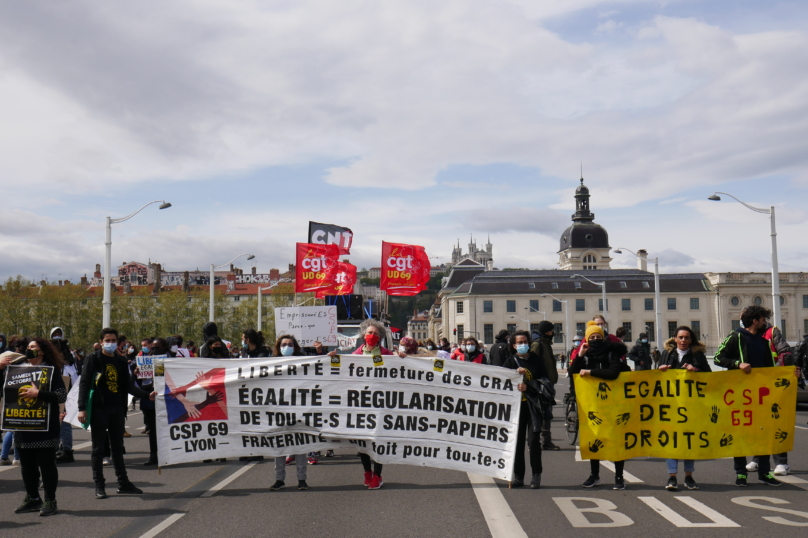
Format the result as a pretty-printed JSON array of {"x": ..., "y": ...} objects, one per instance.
[
  {"x": 174, "y": 349},
  {"x": 470, "y": 348},
  {"x": 110, "y": 347}
]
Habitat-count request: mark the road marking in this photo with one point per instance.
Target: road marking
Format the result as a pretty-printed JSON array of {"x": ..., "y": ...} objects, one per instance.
[
  {"x": 801, "y": 427},
  {"x": 609, "y": 465},
  {"x": 575, "y": 514},
  {"x": 83, "y": 445},
  {"x": 162, "y": 526},
  {"x": 794, "y": 481},
  {"x": 496, "y": 511},
  {"x": 716, "y": 519},
  {"x": 212, "y": 491}
]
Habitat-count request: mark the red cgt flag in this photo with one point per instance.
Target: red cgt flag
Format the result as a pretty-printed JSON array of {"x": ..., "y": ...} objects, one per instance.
[
  {"x": 343, "y": 282},
  {"x": 315, "y": 267},
  {"x": 405, "y": 269}
]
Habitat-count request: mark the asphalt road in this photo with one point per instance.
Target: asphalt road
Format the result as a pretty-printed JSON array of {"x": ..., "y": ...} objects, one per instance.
[{"x": 232, "y": 499}]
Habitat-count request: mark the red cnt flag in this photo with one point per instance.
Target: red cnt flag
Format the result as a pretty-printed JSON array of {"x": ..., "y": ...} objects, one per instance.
[
  {"x": 343, "y": 282},
  {"x": 315, "y": 267},
  {"x": 405, "y": 269}
]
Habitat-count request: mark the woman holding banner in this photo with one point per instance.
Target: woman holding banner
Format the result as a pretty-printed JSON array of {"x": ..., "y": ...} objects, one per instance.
[
  {"x": 599, "y": 357},
  {"x": 683, "y": 352},
  {"x": 37, "y": 449}
]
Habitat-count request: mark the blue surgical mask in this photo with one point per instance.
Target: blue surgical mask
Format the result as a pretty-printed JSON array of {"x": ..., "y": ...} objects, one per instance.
[
  {"x": 522, "y": 349},
  {"x": 56, "y": 338},
  {"x": 144, "y": 349},
  {"x": 644, "y": 341},
  {"x": 471, "y": 348},
  {"x": 110, "y": 347},
  {"x": 243, "y": 343},
  {"x": 287, "y": 350}
]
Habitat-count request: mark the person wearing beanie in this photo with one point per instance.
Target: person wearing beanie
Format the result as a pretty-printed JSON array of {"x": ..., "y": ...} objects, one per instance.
[
  {"x": 501, "y": 350},
  {"x": 543, "y": 347},
  {"x": 602, "y": 359}
]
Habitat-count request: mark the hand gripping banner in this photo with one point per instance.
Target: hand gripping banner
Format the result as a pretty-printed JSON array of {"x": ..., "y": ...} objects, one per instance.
[
  {"x": 405, "y": 269},
  {"x": 461, "y": 416},
  {"x": 687, "y": 415},
  {"x": 315, "y": 267}
]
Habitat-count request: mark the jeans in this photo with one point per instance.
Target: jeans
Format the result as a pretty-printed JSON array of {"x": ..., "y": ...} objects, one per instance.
[
  {"x": 106, "y": 419},
  {"x": 32, "y": 460},
  {"x": 66, "y": 433},
  {"x": 673, "y": 466},
  {"x": 8, "y": 442},
  {"x": 764, "y": 465},
  {"x": 524, "y": 433},
  {"x": 280, "y": 467}
]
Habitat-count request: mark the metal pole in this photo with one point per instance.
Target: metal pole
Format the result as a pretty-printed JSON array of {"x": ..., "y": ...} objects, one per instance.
[
  {"x": 603, "y": 292},
  {"x": 775, "y": 275},
  {"x": 107, "y": 302},
  {"x": 567, "y": 328},
  {"x": 210, "y": 314},
  {"x": 658, "y": 307},
  {"x": 259, "y": 310}
]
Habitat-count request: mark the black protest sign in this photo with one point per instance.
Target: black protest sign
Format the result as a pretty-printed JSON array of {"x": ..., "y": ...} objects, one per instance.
[{"x": 21, "y": 413}]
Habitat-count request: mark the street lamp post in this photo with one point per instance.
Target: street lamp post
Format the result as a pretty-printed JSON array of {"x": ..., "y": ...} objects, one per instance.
[
  {"x": 658, "y": 313},
  {"x": 566, "y": 320},
  {"x": 602, "y": 289},
  {"x": 214, "y": 267},
  {"x": 544, "y": 314},
  {"x": 107, "y": 302},
  {"x": 260, "y": 312},
  {"x": 775, "y": 270}
]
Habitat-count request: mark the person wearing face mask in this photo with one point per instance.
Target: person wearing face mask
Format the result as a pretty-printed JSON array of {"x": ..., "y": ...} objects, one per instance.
[
  {"x": 215, "y": 349},
  {"x": 108, "y": 372},
  {"x": 600, "y": 321},
  {"x": 543, "y": 347},
  {"x": 471, "y": 351},
  {"x": 287, "y": 346},
  {"x": 683, "y": 352},
  {"x": 37, "y": 450},
  {"x": 601, "y": 358},
  {"x": 252, "y": 344},
  {"x": 640, "y": 353},
  {"x": 536, "y": 392},
  {"x": 65, "y": 452}
]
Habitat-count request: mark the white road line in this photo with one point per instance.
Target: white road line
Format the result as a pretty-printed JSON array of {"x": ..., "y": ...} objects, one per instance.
[
  {"x": 609, "y": 465},
  {"x": 794, "y": 481},
  {"x": 801, "y": 427},
  {"x": 162, "y": 526},
  {"x": 496, "y": 511},
  {"x": 83, "y": 445},
  {"x": 664, "y": 510},
  {"x": 212, "y": 491}
]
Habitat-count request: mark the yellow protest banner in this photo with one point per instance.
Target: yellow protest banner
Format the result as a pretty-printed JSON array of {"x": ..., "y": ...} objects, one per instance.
[{"x": 687, "y": 415}]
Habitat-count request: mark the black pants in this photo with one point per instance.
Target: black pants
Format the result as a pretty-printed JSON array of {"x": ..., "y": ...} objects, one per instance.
[
  {"x": 112, "y": 420},
  {"x": 150, "y": 421},
  {"x": 594, "y": 466},
  {"x": 34, "y": 460},
  {"x": 764, "y": 465},
  {"x": 525, "y": 432},
  {"x": 366, "y": 461}
]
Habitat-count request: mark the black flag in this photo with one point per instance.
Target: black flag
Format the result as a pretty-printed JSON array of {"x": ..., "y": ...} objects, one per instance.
[{"x": 330, "y": 234}]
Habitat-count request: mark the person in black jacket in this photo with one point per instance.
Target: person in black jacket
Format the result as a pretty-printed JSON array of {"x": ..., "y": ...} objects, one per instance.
[
  {"x": 600, "y": 358},
  {"x": 640, "y": 353},
  {"x": 543, "y": 347},
  {"x": 252, "y": 344},
  {"x": 108, "y": 372},
  {"x": 684, "y": 352},
  {"x": 501, "y": 349},
  {"x": 37, "y": 450},
  {"x": 531, "y": 417}
]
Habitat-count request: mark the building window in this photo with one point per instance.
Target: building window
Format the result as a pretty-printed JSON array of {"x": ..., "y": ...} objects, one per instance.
[
  {"x": 510, "y": 305},
  {"x": 650, "y": 331},
  {"x": 511, "y": 328},
  {"x": 488, "y": 333},
  {"x": 782, "y": 328},
  {"x": 671, "y": 303},
  {"x": 534, "y": 305},
  {"x": 600, "y": 304},
  {"x": 735, "y": 300},
  {"x": 805, "y": 301},
  {"x": 556, "y": 306},
  {"x": 236, "y": 298},
  {"x": 488, "y": 307},
  {"x": 459, "y": 307},
  {"x": 646, "y": 285},
  {"x": 577, "y": 285},
  {"x": 696, "y": 326},
  {"x": 672, "y": 329},
  {"x": 782, "y": 300},
  {"x": 649, "y": 304},
  {"x": 626, "y": 305},
  {"x": 805, "y": 326},
  {"x": 460, "y": 333},
  {"x": 623, "y": 284},
  {"x": 694, "y": 303},
  {"x": 580, "y": 305},
  {"x": 736, "y": 324},
  {"x": 554, "y": 285},
  {"x": 627, "y": 327},
  {"x": 758, "y": 300},
  {"x": 590, "y": 259},
  {"x": 581, "y": 328},
  {"x": 558, "y": 333},
  {"x": 534, "y": 328},
  {"x": 531, "y": 285}
]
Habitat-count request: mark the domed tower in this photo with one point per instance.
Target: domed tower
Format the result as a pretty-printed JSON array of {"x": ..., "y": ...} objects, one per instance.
[{"x": 584, "y": 245}]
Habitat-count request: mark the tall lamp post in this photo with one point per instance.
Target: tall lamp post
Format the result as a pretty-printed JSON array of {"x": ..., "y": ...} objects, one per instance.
[
  {"x": 214, "y": 267},
  {"x": 530, "y": 311},
  {"x": 566, "y": 320},
  {"x": 602, "y": 289},
  {"x": 260, "y": 312},
  {"x": 107, "y": 302},
  {"x": 775, "y": 269},
  {"x": 658, "y": 313}
]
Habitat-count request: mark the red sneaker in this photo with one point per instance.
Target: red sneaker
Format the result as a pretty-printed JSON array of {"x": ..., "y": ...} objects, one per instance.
[
  {"x": 368, "y": 478},
  {"x": 313, "y": 460},
  {"x": 290, "y": 460},
  {"x": 376, "y": 482}
]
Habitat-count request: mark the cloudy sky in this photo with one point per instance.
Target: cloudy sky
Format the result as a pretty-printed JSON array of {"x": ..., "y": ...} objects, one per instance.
[{"x": 420, "y": 121}]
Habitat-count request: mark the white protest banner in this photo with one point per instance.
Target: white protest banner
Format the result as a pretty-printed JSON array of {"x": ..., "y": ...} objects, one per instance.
[
  {"x": 308, "y": 324},
  {"x": 446, "y": 414},
  {"x": 72, "y": 405}
]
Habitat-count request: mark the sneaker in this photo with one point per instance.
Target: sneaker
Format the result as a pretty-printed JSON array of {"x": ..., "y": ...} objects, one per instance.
[
  {"x": 301, "y": 485},
  {"x": 781, "y": 470},
  {"x": 100, "y": 492},
  {"x": 152, "y": 461},
  {"x": 106, "y": 461},
  {"x": 752, "y": 466},
  {"x": 279, "y": 484},
  {"x": 313, "y": 460},
  {"x": 5, "y": 461},
  {"x": 672, "y": 484},
  {"x": 65, "y": 457},
  {"x": 770, "y": 480},
  {"x": 550, "y": 446},
  {"x": 619, "y": 483},
  {"x": 592, "y": 481},
  {"x": 536, "y": 482},
  {"x": 368, "y": 478},
  {"x": 329, "y": 453},
  {"x": 690, "y": 483},
  {"x": 29, "y": 505},
  {"x": 15, "y": 462},
  {"x": 290, "y": 460},
  {"x": 48, "y": 508},
  {"x": 376, "y": 482},
  {"x": 741, "y": 481},
  {"x": 129, "y": 488},
  {"x": 127, "y": 434},
  {"x": 517, "y": 483}
]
